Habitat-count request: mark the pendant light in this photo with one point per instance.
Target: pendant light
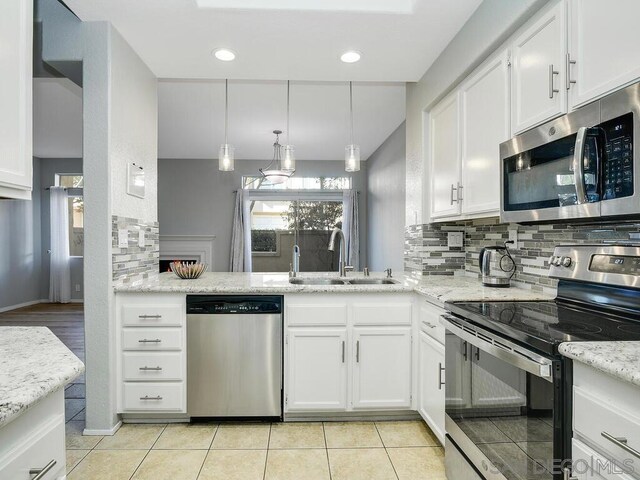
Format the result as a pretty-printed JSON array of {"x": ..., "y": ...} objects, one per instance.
[
  {"x": 352, "y": 151},
  {"x": 274, "y": 174},
  {"x": 226, "y": 152},
  {"x": 288, "y": 154}
]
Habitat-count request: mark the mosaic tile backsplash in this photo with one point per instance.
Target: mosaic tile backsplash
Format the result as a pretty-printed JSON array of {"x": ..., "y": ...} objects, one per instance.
[
  {"x": 426, "y": 251},
  {"x": 134, "y": 263}
]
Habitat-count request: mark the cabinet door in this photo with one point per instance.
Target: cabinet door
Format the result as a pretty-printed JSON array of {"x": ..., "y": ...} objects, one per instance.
[
  {"x": 484, "y": 99},
  {"x": 16, "y": 161},
  {"x": 538, "y": 92},
  {"x": 496, "y": 383},
  {"x": 444, "y": 151},
  {"x": 382, "y": 368},
  {"x": 458, "y": 360},
  {"x": 603, "y": 41},
  {"x": 432, "y": 384},
  {"x": 316, "y": 371}
]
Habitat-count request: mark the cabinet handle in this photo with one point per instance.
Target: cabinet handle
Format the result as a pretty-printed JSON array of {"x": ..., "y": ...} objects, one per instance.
[
  {"x": 453, "y": 189},
  {"x": 358, "y": 351},
  {"x": 147, "y": 397},
  {"x": 552, "y": 72},
  {"x": 568, "y": 74},
  {"x": 464, "y": 351},
  {"x": 343, "y": 351},
  {"x": 41, "y": 472},
  {"x": 145, "y": 368},
  {"x": 440, "y": 370},
  {"x": 145, "y": 340},
  {"x": 622, "y": 443},
  {"x": 477, "y": 354},
  {"x": 460, "y": 187},
  {"x": 149, "y": 316}
]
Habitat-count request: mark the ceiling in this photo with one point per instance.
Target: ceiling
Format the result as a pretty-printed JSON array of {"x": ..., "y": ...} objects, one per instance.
[
  {"x": 191, "y": 117},
  {"x": 284, "y": 39}
]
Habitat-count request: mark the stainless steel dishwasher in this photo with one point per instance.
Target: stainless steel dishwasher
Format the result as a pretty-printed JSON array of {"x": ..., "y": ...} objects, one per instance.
[{"x": 234, "y": 356}]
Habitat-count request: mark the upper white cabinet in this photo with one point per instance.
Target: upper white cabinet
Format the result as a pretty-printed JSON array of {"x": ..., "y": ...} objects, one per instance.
[
  {"x": 538, "y": 70},
  {"x": 444, "y": 150},
  {"x": 603, "y": 42},
  {"x": 484, "y": 99},
  {"x": 16, "y": 162}
]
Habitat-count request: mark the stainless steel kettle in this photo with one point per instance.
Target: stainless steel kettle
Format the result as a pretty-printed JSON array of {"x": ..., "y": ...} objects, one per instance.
[{"x": 500, "y": 280}]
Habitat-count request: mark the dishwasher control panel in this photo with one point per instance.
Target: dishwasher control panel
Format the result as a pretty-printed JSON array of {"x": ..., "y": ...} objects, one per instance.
[{"x": 211, "y": 305}]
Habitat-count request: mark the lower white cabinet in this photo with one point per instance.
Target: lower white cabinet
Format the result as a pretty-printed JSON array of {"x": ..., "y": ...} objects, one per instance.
[
  {"x": 316, "y": 369},
  {"x": 431, "y": 401},
  {"x": 382, "y": 368}
]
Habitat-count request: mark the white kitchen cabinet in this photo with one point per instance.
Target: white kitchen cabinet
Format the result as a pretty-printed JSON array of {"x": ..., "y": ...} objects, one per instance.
[
  {"x": 16, "y": 161},
  {"x": 444, "y": 152},
  {"x": 316, "y": 369},
  {"x": 538, "y": 71},
  {"x": 432, "y": 390},
  {"x": 382, "y": 368},
  {"x": 495, "y": 383},
  {"x": 603, "y": 41},
  {"x": 484, "y": 100}
]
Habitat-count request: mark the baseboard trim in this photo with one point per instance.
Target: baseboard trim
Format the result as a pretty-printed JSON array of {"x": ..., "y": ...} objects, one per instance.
[
  {"x": 103, "y": 432},
  {"x": 21, "y": 305}
]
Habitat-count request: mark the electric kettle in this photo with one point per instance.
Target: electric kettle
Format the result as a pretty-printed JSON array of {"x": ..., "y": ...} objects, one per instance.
[{"x": 503, "y": 279}]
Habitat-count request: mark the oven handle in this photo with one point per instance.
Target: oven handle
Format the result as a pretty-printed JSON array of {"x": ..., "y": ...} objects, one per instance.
[
  {"x": 501, "y": 348},
  {"x": 578, "y": 166}
]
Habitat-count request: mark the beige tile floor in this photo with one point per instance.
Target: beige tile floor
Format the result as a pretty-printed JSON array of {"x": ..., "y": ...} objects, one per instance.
[{"x": 404, "y": 450}]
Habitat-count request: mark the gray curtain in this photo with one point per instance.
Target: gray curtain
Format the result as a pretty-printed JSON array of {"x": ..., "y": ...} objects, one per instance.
[
  {"x": 351, "y": 227},
  {"x": 240, "y": 260}
]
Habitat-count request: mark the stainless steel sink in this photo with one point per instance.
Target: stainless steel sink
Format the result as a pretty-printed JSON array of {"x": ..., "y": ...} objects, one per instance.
[
  {"x": 372, "y": 281},
  {"x": 316, "y": 281}
]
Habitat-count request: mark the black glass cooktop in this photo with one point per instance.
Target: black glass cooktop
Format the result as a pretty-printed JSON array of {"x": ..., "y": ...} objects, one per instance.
[{"x": 545, "y": 324}]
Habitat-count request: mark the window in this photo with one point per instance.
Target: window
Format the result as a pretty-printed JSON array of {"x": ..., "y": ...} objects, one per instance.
[
  {"x": 74, "y": 185},
  {"x": 299, "y": 183}
]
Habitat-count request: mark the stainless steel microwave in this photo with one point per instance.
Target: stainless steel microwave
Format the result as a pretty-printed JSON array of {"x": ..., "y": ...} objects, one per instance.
[{"x": 579, "y": 166}]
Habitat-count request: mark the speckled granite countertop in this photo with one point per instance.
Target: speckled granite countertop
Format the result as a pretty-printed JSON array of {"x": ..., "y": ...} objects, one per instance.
[
  {"x": 618, "y": 359},
  {"x": 33, "y": 364},
  {"x": 438, "y": 289}
]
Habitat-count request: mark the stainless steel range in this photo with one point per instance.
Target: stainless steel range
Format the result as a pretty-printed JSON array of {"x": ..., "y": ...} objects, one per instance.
[{"x": 508, "y": 402}]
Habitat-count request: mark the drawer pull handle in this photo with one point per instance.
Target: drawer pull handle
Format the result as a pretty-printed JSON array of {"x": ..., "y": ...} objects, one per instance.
[
  {"x": 149, "y": 316},
  {"x": 145, "y": 340},
  {"x": 440, "y": 370},
  {"x": 147, "y": 397},
  {"x": 41, "y": 472},
  {"x": 145, "y": 368},
  {"x": 622, "y": 443}
]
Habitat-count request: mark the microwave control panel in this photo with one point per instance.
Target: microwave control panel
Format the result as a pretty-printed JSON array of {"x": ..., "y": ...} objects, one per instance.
[{"x": 618, "y": 161}]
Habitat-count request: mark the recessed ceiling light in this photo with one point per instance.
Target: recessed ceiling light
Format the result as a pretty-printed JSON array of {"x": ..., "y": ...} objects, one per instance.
[
  {"x": 224, "y": 54},
  {"x": 350, "y": 57}
]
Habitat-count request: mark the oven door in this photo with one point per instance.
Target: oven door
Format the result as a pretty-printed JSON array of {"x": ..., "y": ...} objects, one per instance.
[{"x": 504, "y": 405}]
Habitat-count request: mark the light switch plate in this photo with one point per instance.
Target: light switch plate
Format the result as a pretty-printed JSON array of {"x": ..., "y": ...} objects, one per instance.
[
  {"x": 123, "y": 238},
  {"x": 455, "y": 239},
  {"x": 141, "y": 238},
  {"x": 513, "y": 236}
]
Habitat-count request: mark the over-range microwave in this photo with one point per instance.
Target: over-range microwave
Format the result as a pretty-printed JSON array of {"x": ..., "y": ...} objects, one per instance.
[{"x": 583, "y": 165}]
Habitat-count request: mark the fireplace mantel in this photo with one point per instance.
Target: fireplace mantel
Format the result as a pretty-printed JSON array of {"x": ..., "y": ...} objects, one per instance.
[{"x": 199, "y": 248}]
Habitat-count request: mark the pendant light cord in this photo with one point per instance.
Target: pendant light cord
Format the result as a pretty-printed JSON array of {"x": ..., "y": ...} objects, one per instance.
[
  {"x": 351, "y": 111},
  {"x": 226, "y": 109},
  {"x": 288, "y": 143}
]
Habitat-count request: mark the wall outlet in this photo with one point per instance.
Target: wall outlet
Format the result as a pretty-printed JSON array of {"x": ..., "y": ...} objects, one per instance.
[
  {"x": 141, "y": 238},
  {"x": 123, "y": 238},
  {"x": 513, "y": 236},
  {"x": 455, "y": 239}
]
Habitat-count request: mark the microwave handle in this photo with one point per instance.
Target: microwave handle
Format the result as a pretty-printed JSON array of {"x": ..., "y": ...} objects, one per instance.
[{"x": 578, "y": 166}]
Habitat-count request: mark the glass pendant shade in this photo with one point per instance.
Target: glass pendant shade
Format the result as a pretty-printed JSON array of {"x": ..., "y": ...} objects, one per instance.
[
  {"x": 288, "y": 158},
  {"x": 226, "y": 157},
  {"x": 352, "y": 158},
  {"x": 276, "y": 177}
]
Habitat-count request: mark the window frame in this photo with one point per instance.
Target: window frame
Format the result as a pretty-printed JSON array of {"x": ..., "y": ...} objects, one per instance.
[{"x": 72, "y": 193}]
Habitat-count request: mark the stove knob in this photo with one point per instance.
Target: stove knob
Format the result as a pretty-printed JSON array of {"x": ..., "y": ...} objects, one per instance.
[
  {"x": 558, "y": 261},
  {"x": 566, "y": 261}
]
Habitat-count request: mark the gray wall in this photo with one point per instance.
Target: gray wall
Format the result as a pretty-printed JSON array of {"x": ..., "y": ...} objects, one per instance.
[
  {"x": 386, "y": 202},
  {"x": 194, "y": 198},
  {"x": 48, "y": 169},
  {"x": 20, "y": 248}
]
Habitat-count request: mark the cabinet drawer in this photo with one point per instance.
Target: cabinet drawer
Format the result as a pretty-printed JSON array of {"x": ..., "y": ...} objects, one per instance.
[
  {"x": 382, "y": 314},
  {"x": 138, "y": 366},
  {"x": 430, "y": 321},
  {"x": 592, "y": 416},
  {"x": 318, "y": 314},
  {"x": 145, "y": 396},
  {"x": 152, "y": 338},
  {"x": 150, "y": 315},
  {"x": 45, "y": 446},
  {"x": 589, "y": 465}
]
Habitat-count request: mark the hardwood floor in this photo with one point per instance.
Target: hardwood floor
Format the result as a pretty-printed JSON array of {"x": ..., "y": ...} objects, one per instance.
[{"x": 66, "y": 321}]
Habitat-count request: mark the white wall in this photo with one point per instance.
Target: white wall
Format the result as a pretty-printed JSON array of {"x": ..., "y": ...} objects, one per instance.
[
  {"x": 489, "y": 26},
  {"x": 386, "y": 202}
]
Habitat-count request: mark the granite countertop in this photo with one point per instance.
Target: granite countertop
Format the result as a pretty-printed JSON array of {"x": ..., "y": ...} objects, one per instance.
[
  {"x": 618, "y": 359},
  {"x": 437, "y": 288},
  {"x": 33, "y": 364}
]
